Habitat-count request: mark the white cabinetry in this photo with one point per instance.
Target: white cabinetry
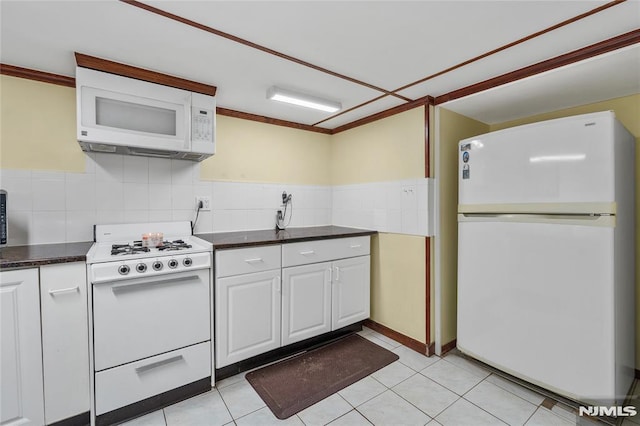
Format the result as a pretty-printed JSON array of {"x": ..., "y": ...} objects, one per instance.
[
  {"x": 65, "y": 340},
  {"x": 45, "y": 369},
  {"x": 350, "y": 291},
  {"x": 247, "y": 317},
  {"x": 21, "y": 374},
  {"x": 325, "y": 286},
  {"x": 306, "y": 302}
]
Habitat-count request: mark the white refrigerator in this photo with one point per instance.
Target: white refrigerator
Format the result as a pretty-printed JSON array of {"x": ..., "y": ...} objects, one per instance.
[{"x": 546, "y": 246}]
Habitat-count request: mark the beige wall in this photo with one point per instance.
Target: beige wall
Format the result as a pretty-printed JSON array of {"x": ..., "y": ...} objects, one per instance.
[
  {"x": 398, "y": 283},
  {"x": 452, "y": 128},
  {"x": 248, "y": 151},
  {"x": 627, "y": 110},
  {"x": 389, "y": 149},
  {"x": 38, "y": 126}
]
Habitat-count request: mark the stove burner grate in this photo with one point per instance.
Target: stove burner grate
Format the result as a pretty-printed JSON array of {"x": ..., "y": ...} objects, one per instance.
[{"x": 136, "y": 247}]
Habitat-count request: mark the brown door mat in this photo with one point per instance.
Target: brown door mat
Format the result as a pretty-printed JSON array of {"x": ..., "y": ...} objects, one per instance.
[{"x": 296, "y": 383}]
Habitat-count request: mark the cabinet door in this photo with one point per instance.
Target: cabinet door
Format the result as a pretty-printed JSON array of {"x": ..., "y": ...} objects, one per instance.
[
  {"x": 351, "y": 290},
  {"x": 65, "y": 340},
  {"x": 21, "y": 350},
  {"x": 247, "y": 316},
  {"x": 306, "y": 302}
]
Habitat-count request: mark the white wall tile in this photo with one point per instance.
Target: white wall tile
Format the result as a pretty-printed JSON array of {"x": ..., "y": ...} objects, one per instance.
[
  {"x": 183, "y": 215},
  {"x": 239, "y": 220},
  {"x": 160, "y": 215},
  {"x": 136, "y": 169},
  {"x": 182, "y": 197},
  {"x": 135, "y": 216},
  {"x": 109, "y": 196},
  {"x": 15, "y": 174},
  {"x": 19, "y": 193},
  {"x": 49, "y": 195},
  {"x": 159, "y": 196},
  {"x": 136, "y": 196},
  {"x": 109, "y": 167},
  {"x": 80, "y": 192},
  {"x": 159, "y": 170},
  {"x": 79, "y": 225},
  {"x": 204, "y": 223},
  {"x": 182, "y": 172},
  {"x": 20, "y": 226},
  {"x": 48, "y": 227},
  {"x": 109, "y": 216},
  {"x": 222, "y": 220}
]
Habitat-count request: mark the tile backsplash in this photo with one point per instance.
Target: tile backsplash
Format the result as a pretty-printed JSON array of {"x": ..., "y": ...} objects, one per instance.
[{"x": 53, "y": 207}]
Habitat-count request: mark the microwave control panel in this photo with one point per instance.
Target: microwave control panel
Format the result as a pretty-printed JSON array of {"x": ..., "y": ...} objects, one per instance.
[{"x": 202, "y": 124}]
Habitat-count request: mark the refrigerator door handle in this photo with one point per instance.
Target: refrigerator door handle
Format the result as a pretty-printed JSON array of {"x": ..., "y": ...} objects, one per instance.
[{"x": 601, "y": 220}]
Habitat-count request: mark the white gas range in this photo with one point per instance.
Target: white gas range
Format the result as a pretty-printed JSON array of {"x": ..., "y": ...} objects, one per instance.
[{"x": 151, "y": 323}]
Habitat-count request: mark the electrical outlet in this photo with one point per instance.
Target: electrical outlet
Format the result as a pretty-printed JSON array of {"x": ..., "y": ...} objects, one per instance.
[{"x": 206, "y": 203}]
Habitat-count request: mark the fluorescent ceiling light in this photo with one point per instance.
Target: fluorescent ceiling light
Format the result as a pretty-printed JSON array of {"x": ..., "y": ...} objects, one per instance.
[{"x": 282, "y": 95}]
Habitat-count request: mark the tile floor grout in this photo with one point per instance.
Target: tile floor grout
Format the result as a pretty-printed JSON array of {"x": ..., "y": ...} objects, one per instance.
[{"x": 357, "y": 405}]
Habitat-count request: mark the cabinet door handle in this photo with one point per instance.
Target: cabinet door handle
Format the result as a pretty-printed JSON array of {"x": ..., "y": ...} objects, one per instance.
[
  {"x": 337, "y": 273},
  {"x": 277, "y": 286},
  {"x": 65, "y": 290},
  {"x": 355, "y": 246},
  {"x": 254, "y": 260},
  {"x": 306, "y": 253},
  {"x": 145, "y": 368},
  {"x": 330, "y": 275}
]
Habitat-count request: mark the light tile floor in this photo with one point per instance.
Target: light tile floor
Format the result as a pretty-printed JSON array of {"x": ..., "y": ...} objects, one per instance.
[{"x": 415, "y": 390}]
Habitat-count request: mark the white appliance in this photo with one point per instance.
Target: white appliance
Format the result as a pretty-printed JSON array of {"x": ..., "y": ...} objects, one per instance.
[
  {"x": 546, "y": 255},
  {"x": 150, "y": 317},
  {"x": 123, "y": 115}
]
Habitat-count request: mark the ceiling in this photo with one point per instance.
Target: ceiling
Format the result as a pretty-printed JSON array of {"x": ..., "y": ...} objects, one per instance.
[{"x": 349, "y": 51}]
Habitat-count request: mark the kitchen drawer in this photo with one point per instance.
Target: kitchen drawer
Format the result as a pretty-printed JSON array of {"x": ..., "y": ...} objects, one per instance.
[
  {"x": 324, "y": 250},
  {"x": 247, "y": 260},
  {"x": 129, "y": 383}
]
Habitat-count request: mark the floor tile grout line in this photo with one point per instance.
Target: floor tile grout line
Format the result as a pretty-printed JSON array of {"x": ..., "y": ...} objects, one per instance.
[
  {"x": 486, "y": 411},
  {"x": 226, "y": 406},
  {"x": 413, "y": 405},
  {"x": 508, "y": 391}
]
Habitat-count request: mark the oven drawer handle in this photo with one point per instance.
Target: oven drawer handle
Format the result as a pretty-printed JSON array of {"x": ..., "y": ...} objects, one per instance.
[
  {"x": 65, "y": 290},
  {"x": 254, "y": 260},
  {"x": 308, "y": 252},
  {"x": 150, "y": 284},
  {"x": 145, "y": 368}
]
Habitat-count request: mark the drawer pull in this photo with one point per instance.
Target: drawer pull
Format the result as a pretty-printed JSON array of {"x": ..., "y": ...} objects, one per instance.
[
  {"x": 254, "y": 260},
  {"x": 306, "y": 253},
  {"x": 65, "y": 290},
  {"x": 145, "y": 368},
  {"x": 355, "y": 246}
]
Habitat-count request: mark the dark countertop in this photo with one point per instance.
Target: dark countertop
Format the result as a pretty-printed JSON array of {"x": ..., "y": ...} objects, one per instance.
[
  {"x": 43, "y": 254},
  {"x": 224, "y": 240},
  {"x": 46, "y": 254}
]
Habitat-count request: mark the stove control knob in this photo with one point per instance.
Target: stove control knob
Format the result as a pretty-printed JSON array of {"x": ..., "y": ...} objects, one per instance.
[
  {"x": 123, "y": 269},
  {"x": 187, "y": 261},
  {"x": 157, "y": 265},
  {"x": 173, "y": 264},
  {"x": 141, "y": 267}
]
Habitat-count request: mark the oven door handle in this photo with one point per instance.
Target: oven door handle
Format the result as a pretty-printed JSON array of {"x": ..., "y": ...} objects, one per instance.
[
  {"x": 145, "y": 368},
  {"x": 150, "y": 284}
]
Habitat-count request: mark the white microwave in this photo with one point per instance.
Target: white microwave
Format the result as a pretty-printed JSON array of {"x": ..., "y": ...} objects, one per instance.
[{"x": 123, "y": 115}]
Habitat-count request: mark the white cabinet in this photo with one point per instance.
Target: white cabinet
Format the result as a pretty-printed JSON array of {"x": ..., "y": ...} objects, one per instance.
[
  {"x": 325, "y": 286},
  {"x": 306, "y": 302},
  {"x": 21, "y": 374},
  {"x": 65, "y": 340},
  {"x": 247, "y": 316},
  {"x": 350, "y": 292}
]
